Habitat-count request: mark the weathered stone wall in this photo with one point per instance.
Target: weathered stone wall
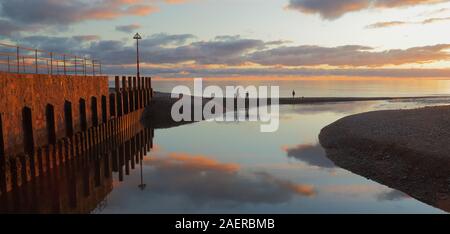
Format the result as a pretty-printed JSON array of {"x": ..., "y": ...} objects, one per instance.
[{"x": 37, "y": 91}]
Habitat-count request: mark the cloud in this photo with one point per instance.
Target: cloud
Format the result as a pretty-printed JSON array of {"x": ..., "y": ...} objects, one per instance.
[
  {"x": 333, "y": 9},
  {"x": 349, "y": 55},
  {"x": 23, "y": 15},
  {"x": 85, "y": 38},
  {"x": 387, "y": 24},
  {"x": 66, "y": 12},
  {"x": 128, "y": 28},
  {"x": 8, "y": 28},
  {"x": 310, "y": 154},
  {"x": 183, "y": 55}
]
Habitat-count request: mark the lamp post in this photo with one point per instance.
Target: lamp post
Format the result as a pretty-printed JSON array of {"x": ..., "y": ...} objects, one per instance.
[{"x": 137, "y": 37}]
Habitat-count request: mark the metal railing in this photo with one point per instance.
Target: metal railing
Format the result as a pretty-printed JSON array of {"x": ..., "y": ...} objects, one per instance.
[{"x": 23, "y": 60}]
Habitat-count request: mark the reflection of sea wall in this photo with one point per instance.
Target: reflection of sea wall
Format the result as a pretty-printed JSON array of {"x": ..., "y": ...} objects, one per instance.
[
  {"x": 83, "y": 181},
  {"x": 125, "y": 109}
]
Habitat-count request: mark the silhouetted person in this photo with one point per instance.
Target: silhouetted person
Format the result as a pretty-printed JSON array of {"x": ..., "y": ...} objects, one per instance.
[{"x": 293, "y": 93}]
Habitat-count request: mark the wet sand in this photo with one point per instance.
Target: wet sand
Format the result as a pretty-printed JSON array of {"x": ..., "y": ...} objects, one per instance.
[{"x": 408, "y": 150}]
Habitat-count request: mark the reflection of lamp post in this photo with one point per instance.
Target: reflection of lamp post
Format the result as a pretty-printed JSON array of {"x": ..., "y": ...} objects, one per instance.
[
  {"x": 137, "y": 37},
  {"x": 142, "y": 185}
]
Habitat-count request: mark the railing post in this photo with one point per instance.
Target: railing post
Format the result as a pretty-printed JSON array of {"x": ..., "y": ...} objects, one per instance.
[
  {"x": 23, "y": 64},
  {"x": 51, "y": 63},
  {"x": 36, "y": 60},
  {"x": 18, "y": 60},
  {"x": 64, "y": 61},
  {"x": 93, "y": 68},
  {"x": 84, "y": 66},
  {"x": 75, "y": 63},
  {"x": 57, "y": 67}
]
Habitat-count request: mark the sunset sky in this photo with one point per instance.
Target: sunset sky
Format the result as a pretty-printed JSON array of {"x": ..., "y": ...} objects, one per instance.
[{"x": 211, "y": 38}]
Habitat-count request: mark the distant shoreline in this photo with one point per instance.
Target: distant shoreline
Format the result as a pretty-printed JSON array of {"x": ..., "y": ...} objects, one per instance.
[{"x": 160, "y": 96}]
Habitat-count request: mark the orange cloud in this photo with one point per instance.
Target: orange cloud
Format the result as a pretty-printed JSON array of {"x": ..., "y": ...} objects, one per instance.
[{"x": 197, "y": 162}]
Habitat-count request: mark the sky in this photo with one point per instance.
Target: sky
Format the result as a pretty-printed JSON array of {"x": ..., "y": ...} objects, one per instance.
[{"x": 209, "y": 38}]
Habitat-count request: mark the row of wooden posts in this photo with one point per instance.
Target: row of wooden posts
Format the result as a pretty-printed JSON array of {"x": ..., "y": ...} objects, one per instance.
[{"x": 126, "y": 106}]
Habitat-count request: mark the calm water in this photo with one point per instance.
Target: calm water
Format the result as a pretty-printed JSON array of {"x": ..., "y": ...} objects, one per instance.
[
  {"x": 329, "y": 87},
  {"x": 210, "y": 167}
]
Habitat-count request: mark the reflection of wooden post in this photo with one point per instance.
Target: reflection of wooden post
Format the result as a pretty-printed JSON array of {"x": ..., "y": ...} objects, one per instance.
[
  {"x": 2, "y": 159},
  {"x": 121, "y": 161}
]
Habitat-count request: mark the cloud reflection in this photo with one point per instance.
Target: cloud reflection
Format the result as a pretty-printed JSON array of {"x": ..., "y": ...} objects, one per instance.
[
  {"x": 191, "y": 183},
  {"x": 311, "y": 154},
  {"x": 205, "y": 180}
]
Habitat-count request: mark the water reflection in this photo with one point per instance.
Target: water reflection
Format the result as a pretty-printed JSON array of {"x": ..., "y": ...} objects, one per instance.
[
  {"x": 204, "y": 180},
  {"x": 312, "y": 154},
  {"x": 211, "y": 167},
  {"x": 81, "y": 184}
]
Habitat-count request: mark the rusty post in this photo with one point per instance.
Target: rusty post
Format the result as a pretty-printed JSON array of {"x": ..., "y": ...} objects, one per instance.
[
  {"x": 139, "y": 83},
  {"x": 130, "y": 83},
  {"x": 117, "y": 84},
  {"x": 124, "y": 83},
  {"x": 9, "y": 65}
]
